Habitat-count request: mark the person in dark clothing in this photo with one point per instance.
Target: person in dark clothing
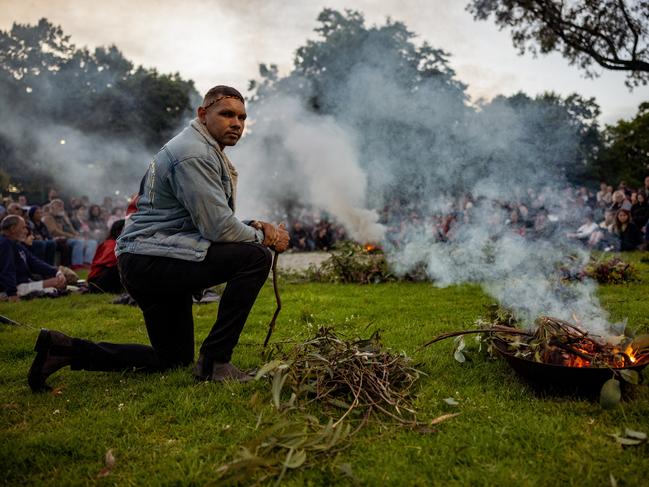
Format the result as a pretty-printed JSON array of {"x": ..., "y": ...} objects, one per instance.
[
  {"x": 43, "y": 245},
  {"x": 640, "y": 210},
  {"x": 104, "y": 274},
  {"x": 182, "y": 238},
  {"x": 20, "y": 271},
  {"x": 628, "y": 235}
]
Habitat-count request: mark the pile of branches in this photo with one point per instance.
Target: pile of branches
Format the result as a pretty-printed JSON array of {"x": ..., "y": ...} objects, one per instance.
[
  {"x": 351, "y": 379},
  {"x": 350, "y": 375},
  {"x": 605, "y": 271}
]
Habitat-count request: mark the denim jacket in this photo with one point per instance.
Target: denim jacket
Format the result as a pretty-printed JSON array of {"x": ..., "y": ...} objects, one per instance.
[{"x": 185, "y": 203}]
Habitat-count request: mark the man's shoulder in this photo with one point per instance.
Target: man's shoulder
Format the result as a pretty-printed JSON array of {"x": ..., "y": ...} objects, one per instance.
[{"x": 188, "y": 144}]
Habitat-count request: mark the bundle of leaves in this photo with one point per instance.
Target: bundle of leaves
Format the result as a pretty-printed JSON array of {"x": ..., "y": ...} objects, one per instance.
[
  {"x": 348, "y": 378},
  {"x": 353, "y": 376},
  {"x": 613, "y": 270},
  {"x": 284, "y": 445}
]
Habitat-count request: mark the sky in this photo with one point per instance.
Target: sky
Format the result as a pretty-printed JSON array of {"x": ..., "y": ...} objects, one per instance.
[{"x": 223, "y": 42}]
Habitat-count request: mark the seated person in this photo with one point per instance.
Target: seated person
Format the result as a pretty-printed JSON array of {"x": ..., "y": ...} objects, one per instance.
[
  {"x": 628, "y": 235},
  {"x": 585, "y": 231},
  {"x": 104, "y": 275},
  {"x": 60, "y": 226},
  {"x": 20, "y": 271}
]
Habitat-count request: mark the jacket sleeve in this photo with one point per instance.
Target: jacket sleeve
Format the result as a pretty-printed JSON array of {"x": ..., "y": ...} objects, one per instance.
[
  {"x": 197, "y": 185},
  {"x": 7, "y": 269}
]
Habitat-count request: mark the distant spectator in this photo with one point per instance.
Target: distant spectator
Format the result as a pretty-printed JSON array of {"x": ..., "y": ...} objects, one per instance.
[
  {"x": 52, "y": 194},
  {"x": 628, "y": 235},
  {"x": 15, "y": 209},
  {"x": 97, "y": 224},
  {"x": 640, "y": 210},
  {"x": 43, "y": 245},
  {"x": 300, "y": 237},
  {"x": 118, "y": 213},
  {"x": 22, "y": 200},
  {"x": 104, "y": 275},
  {"x": 59, "y": 225},
  {"x": 618, "y": 200},
  {"x": 20, "y": 271},
  {"x": 585, "y": 231}
]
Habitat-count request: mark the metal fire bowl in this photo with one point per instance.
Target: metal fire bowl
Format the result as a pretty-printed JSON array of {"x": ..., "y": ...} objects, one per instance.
[{"x": 559, "y": 379}]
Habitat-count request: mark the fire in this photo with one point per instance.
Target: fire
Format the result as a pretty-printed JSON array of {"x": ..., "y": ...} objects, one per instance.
[{"x": 370, "y": 247}]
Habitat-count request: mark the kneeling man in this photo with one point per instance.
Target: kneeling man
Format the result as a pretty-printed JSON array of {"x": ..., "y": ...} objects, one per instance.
[{"x": 182, "y": 238}]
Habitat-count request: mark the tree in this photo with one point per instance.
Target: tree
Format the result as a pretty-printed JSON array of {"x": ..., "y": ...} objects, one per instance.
[
  {"x": 625, "y": 156},
  {"x": 49, "y": 87},
  {"x": 609, "y": 33}
]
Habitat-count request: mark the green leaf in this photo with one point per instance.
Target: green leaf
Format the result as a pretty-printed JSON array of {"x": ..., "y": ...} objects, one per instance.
[
  {"x": 451, "y": 402},
  {"x": 638, "y": 435},
  {"x": 459, "y": 356},
  {"x": 295, "y": 459},
  {"x": 266, "y": 368},
  {"x": 610, "y": 395},
  {"x": 630, "y": 376},
  {"x": 278, "y": 383},
  {"x": 627, "y": 441}
]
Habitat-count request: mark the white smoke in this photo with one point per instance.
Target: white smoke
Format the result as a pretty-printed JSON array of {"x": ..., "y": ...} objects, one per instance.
[{"x": 291, "y": 153}]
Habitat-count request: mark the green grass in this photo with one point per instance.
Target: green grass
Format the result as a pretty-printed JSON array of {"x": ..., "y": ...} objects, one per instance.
[{"x": 165, "y": 429}]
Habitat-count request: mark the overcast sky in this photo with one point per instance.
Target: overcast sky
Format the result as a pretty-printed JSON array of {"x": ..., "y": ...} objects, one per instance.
[{"x": 222, "y": 42}]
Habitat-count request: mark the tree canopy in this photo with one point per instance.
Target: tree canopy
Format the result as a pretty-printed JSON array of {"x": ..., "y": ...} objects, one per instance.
[
  {"x": 46, "y": 81},
  {"x": 612, "y": 34}
]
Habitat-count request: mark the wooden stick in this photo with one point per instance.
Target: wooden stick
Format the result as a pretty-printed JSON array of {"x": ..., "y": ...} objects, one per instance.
[{"x": 271, "y": 324}]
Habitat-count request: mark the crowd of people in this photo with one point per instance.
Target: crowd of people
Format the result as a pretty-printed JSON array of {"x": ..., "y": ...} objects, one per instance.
[
  {"x": 610, "y": 219},
  {"x": 41, "y": 244},
  {"x": 79, "y": 234}
]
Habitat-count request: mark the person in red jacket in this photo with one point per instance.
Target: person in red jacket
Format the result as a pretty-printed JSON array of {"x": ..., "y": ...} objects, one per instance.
[{"x": 104, "y": 275}]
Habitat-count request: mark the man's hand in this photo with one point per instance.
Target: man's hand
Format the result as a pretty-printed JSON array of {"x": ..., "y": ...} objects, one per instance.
[
  {"x": 274, "y": 237},
  {"x": 57, "y": 281}
]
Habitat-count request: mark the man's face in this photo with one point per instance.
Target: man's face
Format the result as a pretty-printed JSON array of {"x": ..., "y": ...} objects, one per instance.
[
  {"x": 224, "y": 120},
  {"x": 15, "y": 209},
  {"x": 57, "y": 208},
  {"x": 18, "y": 231}
]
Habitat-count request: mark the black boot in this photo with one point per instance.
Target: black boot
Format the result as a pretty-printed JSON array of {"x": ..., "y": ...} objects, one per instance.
[
  {"x": 206, "y": 369},
  {"x": 54, "y": 351}
]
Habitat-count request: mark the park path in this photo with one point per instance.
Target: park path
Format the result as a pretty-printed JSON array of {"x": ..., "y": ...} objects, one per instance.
[{"x": 299, "y": 261}]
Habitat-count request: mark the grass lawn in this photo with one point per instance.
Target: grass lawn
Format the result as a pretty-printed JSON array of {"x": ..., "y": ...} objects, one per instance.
[{"x": 165, "y": 429}]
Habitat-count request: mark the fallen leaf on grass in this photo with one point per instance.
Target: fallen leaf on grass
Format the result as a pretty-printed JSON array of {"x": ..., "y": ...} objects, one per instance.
[
  {"x": 109, "y": 462},
  {"x": 630, "y": 437},
  {"x": 442, "y": 418},
  {"x": 450, "y": 401},
  {"x": 57, "y": 391}
]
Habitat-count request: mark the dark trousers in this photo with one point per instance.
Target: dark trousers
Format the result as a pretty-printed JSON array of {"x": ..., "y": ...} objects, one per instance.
[
  {"x": 163, "y": 288},
  {"x": 107, "y": 281},
  {"x": 44, "y": 250}
]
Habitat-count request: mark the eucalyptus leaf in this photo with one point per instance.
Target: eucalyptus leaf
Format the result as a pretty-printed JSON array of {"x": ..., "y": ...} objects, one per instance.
[
  {"x": 459, "y": 356},
  {"x": 451, "y": 402},
  {"x": 638, "y": 435},
  {"x": 627, "y": 441},
  {"x": 610, "y": 395},
  {"x": 630, "y": 376}
]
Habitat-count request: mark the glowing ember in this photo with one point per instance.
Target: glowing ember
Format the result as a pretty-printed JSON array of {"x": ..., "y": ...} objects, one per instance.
[{"x": 370, "y": 248}]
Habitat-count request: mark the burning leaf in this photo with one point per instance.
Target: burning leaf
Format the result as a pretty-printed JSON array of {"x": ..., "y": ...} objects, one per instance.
[
  {"x": 610, "y": 395},
  {"x": 109, "y": 462},
  {"x": 451, "y": 402}
]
